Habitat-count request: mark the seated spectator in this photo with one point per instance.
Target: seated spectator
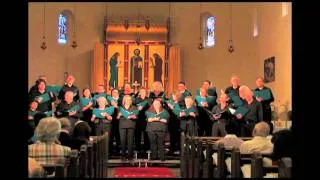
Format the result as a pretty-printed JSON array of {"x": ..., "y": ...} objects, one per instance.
[
  {"x": 65, "y": 137},
  {"x": 35, "y": 170},
  {"x": 282, "y": 144},
  {"x": 81, "y": 134},
  {"x": 45, "y": 151},
  {"x": 260, "y": 142}
]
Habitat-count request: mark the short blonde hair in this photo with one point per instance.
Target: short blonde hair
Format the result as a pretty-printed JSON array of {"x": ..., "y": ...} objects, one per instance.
[{"x": 101, "y": 98}]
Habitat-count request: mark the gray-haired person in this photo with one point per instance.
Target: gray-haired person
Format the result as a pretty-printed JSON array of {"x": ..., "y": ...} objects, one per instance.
[{"x": 46, "y": 150}]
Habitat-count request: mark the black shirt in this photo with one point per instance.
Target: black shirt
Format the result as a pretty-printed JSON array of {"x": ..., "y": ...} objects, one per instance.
[
  {"x": 255, "y": 112},
  {"x": 72, "y": 88}
]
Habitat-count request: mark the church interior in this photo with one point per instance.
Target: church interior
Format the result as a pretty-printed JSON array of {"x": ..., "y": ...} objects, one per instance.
[{"x": 221, "y": 71}]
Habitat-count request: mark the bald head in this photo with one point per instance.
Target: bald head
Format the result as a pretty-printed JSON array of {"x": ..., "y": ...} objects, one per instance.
[
  {"x": 261, "y": 129},
  {"x": 243, "y": 90}
]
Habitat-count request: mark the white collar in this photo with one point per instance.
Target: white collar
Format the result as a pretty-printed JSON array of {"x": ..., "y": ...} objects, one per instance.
[{"x": 231, "y": 136}]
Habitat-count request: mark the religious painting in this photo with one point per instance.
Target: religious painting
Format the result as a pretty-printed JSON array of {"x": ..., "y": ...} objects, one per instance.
[
  {"x": 115, "y": 63},
  {"x": 269, "y": 69},
  {"x": 156, "y": 63},
  {"x": 136, "y": 64}
]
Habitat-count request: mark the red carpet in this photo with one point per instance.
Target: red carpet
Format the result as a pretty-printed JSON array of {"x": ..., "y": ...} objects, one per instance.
[{"x": 128, "y": 172}]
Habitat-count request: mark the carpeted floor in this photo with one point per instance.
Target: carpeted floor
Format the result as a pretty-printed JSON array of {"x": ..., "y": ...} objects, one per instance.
[{"x": 151, "y": 172}]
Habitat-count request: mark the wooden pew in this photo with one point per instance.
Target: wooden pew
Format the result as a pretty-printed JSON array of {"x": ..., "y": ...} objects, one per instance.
[
  {"x": 83, "y": 162},
  {"x": 54, "y": 171},
  {"x": 73, "y": 168},
  {"x": 208, "y": 163},
  {"x": 90, "y": 159},
  {"x": 104, "y": 153},
  {"x": 95, "y": 156},
  {"x": 285, "y": 166},
  {"x": 184, "y": 161}
]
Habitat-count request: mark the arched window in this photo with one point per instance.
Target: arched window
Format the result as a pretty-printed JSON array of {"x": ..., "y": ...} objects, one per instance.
[
  {"x": 208, "y": 30},
  {"x": 63, "y": 29}
]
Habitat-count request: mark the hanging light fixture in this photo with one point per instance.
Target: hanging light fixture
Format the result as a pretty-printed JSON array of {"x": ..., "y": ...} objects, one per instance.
[
  {"x": 74, "y": 42},
  {"x": 147, "y": 23},
  {"x": 138, "y": 39},
  {"x": 44, "y": 44},
  {"x": 200, "y": 28},
  {"x": 231, "y": 47},
  {"x": 168, "y": 27}
]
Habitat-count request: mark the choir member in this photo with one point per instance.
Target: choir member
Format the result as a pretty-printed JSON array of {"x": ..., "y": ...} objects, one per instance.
[
  {"x": 221, "y": 116},
  {"x": 102, "y": 116},
  {"x": 128, "y": 114},
  {"x": 86, "y": 102},
  {"x": 31, "y": 113},
  {"x": 101, "y": 92},
  {"x": 205, "y": 103},
  {"x": 157, "y": 118},
  {"x": 264, "y": 95},
  {"x": 249, "y": 114},
  {"x": 188, "y": 117},
  {"x": 143, "y": 103},
  {"x": 127, "y": 90},
  {"x": 43, "y": 97},
  {"x": 114, "y": 100},
  {"x": 69, "y": 86},
  {"x": 209, "y": 87},
  {"x": 157, "y": 91},
  {"x": 233, "y": 92},
  {"x": 183, "y": 91},
  {"x": 69, "y": 108}
]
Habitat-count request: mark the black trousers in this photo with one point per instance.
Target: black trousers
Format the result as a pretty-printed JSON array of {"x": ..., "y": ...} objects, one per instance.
[
  {"x": 115, "y": 134},
  {"x": 174, "y": 132},
  {"x": 245, "y": 128},
  {"x": 157, "y": 140},
  {"x": 102, "y": 127},
  {"x": 218, "y": 129},
  {"x": 146, "y": 142},
  {"x": 126, "y": 137}
]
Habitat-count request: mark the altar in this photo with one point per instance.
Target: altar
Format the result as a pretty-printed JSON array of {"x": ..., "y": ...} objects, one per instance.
[{"x": 136, "y": 52}]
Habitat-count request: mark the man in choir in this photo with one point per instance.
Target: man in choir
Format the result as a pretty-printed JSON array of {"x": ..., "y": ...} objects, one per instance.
[
  {"x": 249, "y": 114},
  {"x": 69, "y": 86},
  {"x": 127, "y": 90},
  {"x": 157, "y": 118},
  {"x": 114, "y": 66},
  {"x": 69, "y": 108},
  {"x": 264, "y": 95},
  {"x": 143, "y": 102},
  {"x": 183, "y": 91},
  {"x": 101, "y": 92},
  {"x": 157, "y": 91},
  {"x": 233, "y": 91},
  {"x": 31, "y": 113},
  {"x": 209, "y": 87}
]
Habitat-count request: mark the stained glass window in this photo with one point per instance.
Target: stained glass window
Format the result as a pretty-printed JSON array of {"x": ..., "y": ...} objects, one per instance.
[
  {"x": 63, "y": 29},
  {"x": 210, "y": 37}
]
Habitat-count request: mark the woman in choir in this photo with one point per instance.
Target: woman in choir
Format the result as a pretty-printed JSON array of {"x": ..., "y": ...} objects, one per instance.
[
  {"x": 209, "y": 87},
  {"x": 102, "y": 117},
  {"x": 174, "y": 122},
  {"x": 128, "y": 114},
  {"x": 101, "y": 92},
  {"x": 264, "y": 95},
  {"x": 86, "y": 102},
  {"x": 188, "y": 117},
  {"x": 157, "y": 91},
  {"x": 205, "y": 103},
  {"x": 43, "y": 97},
  {"x": 233, "y": 92},
  {"x": 157, "y": 118},
  {"x": 143, "y": 102},
  {"x": 221, "y": 116},
  {"x": 127, "y": 90}
]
